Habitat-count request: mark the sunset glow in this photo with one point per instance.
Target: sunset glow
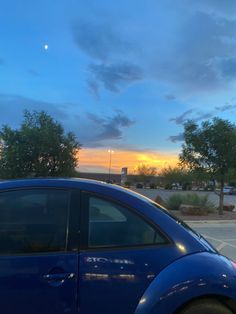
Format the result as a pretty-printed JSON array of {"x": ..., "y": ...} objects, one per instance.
[{"x": 97, "y": 160}]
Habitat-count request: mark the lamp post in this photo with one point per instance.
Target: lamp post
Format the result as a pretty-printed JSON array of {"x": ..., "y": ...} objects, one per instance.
[{"x": 110, "y": 153}]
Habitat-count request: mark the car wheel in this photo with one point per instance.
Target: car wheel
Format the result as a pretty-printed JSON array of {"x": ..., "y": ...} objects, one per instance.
[{"x": 206, "y": 306}]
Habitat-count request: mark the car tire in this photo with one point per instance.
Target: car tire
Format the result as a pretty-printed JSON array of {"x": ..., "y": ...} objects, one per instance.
[{"x": 206, "y": 306}]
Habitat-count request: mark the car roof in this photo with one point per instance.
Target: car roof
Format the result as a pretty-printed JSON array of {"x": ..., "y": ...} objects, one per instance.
[
  {"x": 87, "y": 184},
  {"x": 58, "y": 182}
]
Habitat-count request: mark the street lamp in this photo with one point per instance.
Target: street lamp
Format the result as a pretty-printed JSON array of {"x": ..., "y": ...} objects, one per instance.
[{"x": 110, "y": 153}]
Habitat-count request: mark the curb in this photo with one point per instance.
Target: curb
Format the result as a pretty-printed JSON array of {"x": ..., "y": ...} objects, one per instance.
[{"x": 210, "y": 221}]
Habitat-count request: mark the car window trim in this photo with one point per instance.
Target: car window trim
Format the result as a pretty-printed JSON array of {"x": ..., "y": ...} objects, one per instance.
[
  {"x": 85, "y": 225},
  {"x": 26, "y": 188},
  {"x": 74, "y": 238}
]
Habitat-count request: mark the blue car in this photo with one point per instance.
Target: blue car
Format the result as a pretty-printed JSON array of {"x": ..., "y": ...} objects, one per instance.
[{"x": 73, "y": 246}]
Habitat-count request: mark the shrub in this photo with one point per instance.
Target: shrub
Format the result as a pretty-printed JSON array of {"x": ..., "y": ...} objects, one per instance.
[
  {"x": 176, "y": 200},
  {"x": 201, "y": 201},
  {"x": 168, "y": 186},
  {"x": 127, "y": 184},
  {"x": 153, "y": 186},
  {"x": 159, "y": 200}
]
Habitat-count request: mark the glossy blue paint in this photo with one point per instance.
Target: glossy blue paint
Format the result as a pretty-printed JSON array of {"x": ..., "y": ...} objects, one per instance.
[
  {"x": 24, "y": 287},
  {"x": 114, "y": 281},
  {"x": 149, "y": 279},
  {"x": 187, "y": 278}
]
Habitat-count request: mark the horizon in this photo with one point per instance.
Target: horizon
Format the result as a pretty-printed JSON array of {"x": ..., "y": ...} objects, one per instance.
[{"x": 121, "y": 76}]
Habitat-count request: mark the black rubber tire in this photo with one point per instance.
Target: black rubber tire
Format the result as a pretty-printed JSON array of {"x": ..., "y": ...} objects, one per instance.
[{"x": 206, "y": 306}]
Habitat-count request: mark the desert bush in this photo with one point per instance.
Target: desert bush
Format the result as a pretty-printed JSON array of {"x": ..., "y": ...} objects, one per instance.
[
  {"x": 159, "y": 200},
  {"x": 168, "y": 186},
  {"x": 201, "y": 201},
  {"x": 153, "y": 186},
  {"x": 127, "y": 184},
  {"x": 176, "y": 200}
]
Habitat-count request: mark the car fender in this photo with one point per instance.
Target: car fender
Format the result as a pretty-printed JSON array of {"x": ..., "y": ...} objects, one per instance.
[{"x": 192, "y": 276}]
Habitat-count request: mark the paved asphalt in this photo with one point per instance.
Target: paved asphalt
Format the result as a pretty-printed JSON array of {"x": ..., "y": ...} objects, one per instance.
[
  {"x": 213, "y": 197},
  {"x": 221, "y": 235}
]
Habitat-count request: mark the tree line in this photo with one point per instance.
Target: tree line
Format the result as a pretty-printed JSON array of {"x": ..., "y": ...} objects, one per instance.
[{"x": 41, "y": 148}]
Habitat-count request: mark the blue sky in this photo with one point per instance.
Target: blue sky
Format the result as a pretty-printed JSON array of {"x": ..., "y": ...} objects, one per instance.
[{"x": 120, "y": 74}]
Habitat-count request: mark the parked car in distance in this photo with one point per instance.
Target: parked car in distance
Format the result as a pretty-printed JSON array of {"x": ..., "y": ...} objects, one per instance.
[
  {"x": 82, "y": 246},
  {"x": 152, "y": 185},
  {"x": 229, "y": 190},
  {"x": 139, "y": 186}
]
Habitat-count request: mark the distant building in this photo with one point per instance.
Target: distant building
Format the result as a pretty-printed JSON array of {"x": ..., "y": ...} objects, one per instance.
[{"x": 116, "y": 178}]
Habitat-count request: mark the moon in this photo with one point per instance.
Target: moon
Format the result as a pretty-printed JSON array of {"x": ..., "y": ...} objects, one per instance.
[{"x": 45, "y": 47}]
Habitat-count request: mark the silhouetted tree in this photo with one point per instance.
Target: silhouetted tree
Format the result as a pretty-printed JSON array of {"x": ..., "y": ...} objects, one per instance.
[
  {"x": 211, "y": 148},
  {"x": 39, "y": 147}
]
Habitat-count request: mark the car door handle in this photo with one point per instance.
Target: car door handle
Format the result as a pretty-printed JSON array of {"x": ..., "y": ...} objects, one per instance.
[{"x": 59, "y": 277}]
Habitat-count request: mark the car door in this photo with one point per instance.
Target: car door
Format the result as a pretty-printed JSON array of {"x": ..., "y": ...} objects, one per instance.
[
  {"x": 38, "y": 263},
  {"x": 122, "y": 253}
]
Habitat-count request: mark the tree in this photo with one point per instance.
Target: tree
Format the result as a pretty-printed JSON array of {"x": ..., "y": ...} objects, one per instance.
[
  {"x": 38, "y": 148},
  {"x": 144, "y": 173},
  {"x": 211, "y": 148},
  {"x": 184, "y": 176},
  {"x": 174, "y": 175}
]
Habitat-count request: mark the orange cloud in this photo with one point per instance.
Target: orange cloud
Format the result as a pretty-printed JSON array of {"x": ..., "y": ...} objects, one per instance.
[{"x": 97, "y": 160}]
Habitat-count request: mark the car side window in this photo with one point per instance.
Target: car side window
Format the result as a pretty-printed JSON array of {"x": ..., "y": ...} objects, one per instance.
[
  {"x": 33, "y": 221},
  {"x": 112, "y": 225}
]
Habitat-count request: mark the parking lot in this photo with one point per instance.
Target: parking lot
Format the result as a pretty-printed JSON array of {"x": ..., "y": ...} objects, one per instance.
[
  {"x": 229, "y": 199},
  {"x": 221, "y": 234}
]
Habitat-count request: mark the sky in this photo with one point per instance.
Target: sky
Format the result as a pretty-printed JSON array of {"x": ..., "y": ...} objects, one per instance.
[{"x": 122, "y": 75}]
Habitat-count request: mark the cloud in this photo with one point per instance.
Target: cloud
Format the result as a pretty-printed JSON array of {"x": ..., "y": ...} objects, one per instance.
[
  {"x": 177, "y": 138},
  {"x": 98, "y": 40},
  {"x": 225, "y": 107},
  {"x": 193, "y": 65},
  {"x": 170, "y": 97},
  {"x": 16, "y": 104},
  {"x": 227, "y": 68},
  {"x": 114, "y": 76},
  {"x": 176, "y": 46},
  {"x": 191, "y": 114},
  {"x": 93, "y": 87},
  {"x": 225, "y": 8},
  {"x": 34, "y": 73},
  {"x": 183, "y": 117},
  {"x": 199, "y": 116},
  {"x": 95, "y": 159},
  {"x": 203, "y": 116},
  {"x": 110, "y": 128},
  {"x": 92, "y": 130}
]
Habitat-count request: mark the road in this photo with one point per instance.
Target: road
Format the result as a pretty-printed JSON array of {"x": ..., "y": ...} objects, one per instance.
[
  {"x": 164, "y": 194},
  {"x": 221, "y": 235}
]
